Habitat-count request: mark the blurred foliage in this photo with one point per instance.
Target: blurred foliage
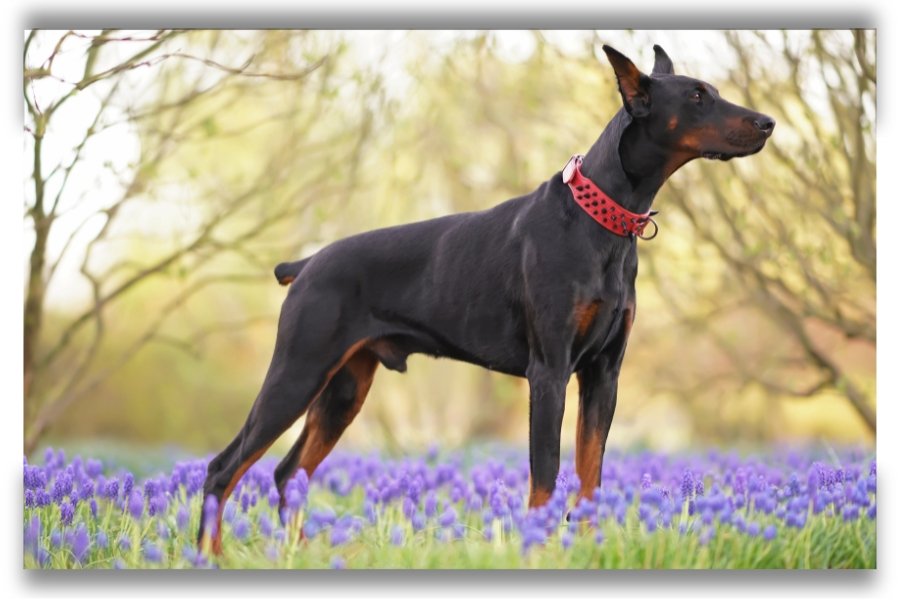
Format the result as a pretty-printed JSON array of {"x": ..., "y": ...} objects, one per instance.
[{"x": 756, "y": 302}]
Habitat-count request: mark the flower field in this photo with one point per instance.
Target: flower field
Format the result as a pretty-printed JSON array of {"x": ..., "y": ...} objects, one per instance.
[{"x": 778, "y": 509}]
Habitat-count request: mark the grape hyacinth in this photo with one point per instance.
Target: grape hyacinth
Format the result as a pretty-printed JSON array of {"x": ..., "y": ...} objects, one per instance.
[{"x": 358, "y": 510}]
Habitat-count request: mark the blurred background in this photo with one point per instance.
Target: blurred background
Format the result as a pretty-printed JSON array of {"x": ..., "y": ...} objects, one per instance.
[{"x": 167, "y": 172}]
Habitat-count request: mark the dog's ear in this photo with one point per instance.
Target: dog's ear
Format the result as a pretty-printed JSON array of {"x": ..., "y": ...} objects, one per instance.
[
  {"x": 633, "y": 85},
  {"x": 663, "y": 64}
]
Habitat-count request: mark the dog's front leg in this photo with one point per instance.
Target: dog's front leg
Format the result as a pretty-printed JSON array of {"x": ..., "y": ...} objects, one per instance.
[
  {"x": 548, "y": 397},
  {"x": 598, "y": 386}
]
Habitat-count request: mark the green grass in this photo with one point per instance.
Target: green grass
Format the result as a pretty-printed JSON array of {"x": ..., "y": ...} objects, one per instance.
[{"x": 825, "y": 542}]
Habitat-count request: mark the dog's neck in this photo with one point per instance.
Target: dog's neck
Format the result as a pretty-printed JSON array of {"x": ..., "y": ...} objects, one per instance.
[{"x": 630, "y": 176}]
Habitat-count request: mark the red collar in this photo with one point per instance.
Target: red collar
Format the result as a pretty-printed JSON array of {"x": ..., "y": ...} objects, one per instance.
[{"x": 601, "y": 207}]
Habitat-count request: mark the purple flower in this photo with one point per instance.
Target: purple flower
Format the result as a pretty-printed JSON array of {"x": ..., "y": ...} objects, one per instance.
[
  {"x": 29, "y": 499},
  {"x": 43, "y": 556},
  {"x": 228, "y": 513},
  {"x": 102, "y": 540},
  {"x": 152, "y": 553},
  {"x": 61, "y": 487},
  {"x": 162, "y": 530},
  {"x": 33, "y": 535},
  {"x": 532, "y": 535},
  {"x": 127, "y": 484},
  {"x": 273, "y": 497},
  {"x": 447, "y": 518},
  {"x": 796, "y": 519},
  {"x": 753, "y": 529},
  {"x": 338, "y": 562},
  {"x": 652, "y": 496},
  {"x": 182, "y": 517},
  {"x": 369, "y": 512},
  {"x": 157, "y": 505},
  {"x": 850, "y": 513},
  {"x": 397, "y": 535},
  {"x": 302, "y": 479},
  {"x": 136, "y": 505},
  {"x": 498, "y": 500},
  {"x": 323, "y": 516},
  {"x": 210, "y": 508},
  {"x": 339, "y": 536},
  {"x": 112, "y": 489},
  {"x": 93, "y": 468},
  {"x": 241, "y": 528},
  {"x": 86, "y": 490},
  {"x": 418, "y": 521},
  {"x": 55, "y": 538},
  {"x": 66, "y": 512},
  {"x": 265, "y": 525},
  {"x": 81, "y": 542},
  {"x": 124, "y": 544},
  {"x": 272, "y": 552},
  {"x": 293, "y": 499},
  {"x": 35, "y": 478},
  {"x": 245, "y": 502},
  {"x": 431, "y": 504},
  {"x": 566, "y": 540},
  {"x": 769, "y": 532}
]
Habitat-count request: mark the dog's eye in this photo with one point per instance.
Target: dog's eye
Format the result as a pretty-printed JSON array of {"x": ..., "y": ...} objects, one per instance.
[{"x": 696, "y": 97}]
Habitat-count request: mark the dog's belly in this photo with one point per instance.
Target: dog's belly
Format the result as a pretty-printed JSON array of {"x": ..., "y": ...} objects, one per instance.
[{"x": 399, "y": 336}]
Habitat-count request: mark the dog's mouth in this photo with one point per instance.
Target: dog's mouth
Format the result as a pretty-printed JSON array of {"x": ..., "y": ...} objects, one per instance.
[{"x": 729, "y": 155}]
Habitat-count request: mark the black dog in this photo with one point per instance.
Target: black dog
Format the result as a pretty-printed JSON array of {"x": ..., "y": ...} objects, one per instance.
[{"x": 540, "y": 286}]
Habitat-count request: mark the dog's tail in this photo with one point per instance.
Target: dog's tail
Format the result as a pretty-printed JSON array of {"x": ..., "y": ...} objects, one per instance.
[{"x": 287, "y": 272}]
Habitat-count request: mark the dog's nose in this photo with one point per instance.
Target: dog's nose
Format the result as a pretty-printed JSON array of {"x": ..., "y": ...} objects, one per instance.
[{"x": 764, "y": 124}]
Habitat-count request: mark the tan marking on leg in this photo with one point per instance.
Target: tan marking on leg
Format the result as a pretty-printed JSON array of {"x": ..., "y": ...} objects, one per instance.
[
  {"x": 538, "y": 496},
  {"x": 629, "y": 319},
  {"x": 217, "y": 537},
  {"x": 588, "y": 456},
  {"x": 318, "y": 444},
  {"x": 585, "y": 314}
]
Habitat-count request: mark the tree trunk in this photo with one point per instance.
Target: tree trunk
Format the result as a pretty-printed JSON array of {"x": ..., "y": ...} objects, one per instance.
[{"x": 34, "y": 295}]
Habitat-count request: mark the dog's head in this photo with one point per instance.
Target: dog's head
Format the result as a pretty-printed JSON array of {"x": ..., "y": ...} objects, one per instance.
[{"x": 685, "y": 116}]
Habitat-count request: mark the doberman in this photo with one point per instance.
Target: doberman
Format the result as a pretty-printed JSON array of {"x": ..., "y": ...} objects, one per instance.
[{"x": 540, "y": 286}]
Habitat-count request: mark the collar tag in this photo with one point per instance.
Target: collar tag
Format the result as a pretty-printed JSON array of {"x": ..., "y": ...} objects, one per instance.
[{"x": 569, "y": 170}]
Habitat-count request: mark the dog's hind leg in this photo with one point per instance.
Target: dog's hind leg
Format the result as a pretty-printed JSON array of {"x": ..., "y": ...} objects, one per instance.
[
  {"x": 328, "y": 417},
  {"x": 302, "y": 366}
]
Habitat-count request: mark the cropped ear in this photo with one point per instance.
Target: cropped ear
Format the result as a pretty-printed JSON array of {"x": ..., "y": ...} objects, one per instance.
[
  {"x": 663, "y": 64},
  {"x": 633, "y": 85}
]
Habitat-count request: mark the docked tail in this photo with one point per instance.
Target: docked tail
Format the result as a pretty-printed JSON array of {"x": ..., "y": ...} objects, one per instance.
[{"x": 287, "y": 272}]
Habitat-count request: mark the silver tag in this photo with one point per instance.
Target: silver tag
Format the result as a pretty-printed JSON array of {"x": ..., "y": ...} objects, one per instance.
[{"x": 569, "y": 170}]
